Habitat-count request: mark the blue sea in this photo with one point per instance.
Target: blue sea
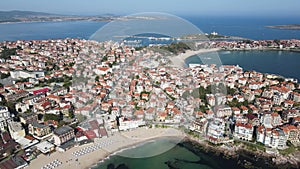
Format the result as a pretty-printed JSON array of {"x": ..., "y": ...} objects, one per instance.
[
  {"x": 247, "y": 27},
  {"x": 48, "y": 30},
  {"x": 282, "y": 63},
  {"x": 252, "y": 28}
]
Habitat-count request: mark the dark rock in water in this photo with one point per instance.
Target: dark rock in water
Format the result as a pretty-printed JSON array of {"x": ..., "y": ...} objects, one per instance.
[
  {"x": 110, "y": 166},
  {"x": 187, "y": 161},
  {"x": 122, "y": 166},
  {"x": 171, "y": 165},
  {"x": 199, "y": 150}
]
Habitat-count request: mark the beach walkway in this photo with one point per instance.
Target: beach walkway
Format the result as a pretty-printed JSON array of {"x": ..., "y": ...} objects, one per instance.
[{"x": 90, "y": 154}]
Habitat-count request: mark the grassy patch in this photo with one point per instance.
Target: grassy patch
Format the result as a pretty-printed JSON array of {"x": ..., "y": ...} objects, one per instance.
[
  {"x": 291, "y": 149},
  {"x": 251, "y": 146}
]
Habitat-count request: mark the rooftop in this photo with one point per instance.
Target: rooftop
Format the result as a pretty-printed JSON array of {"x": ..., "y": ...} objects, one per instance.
[
  {"x": 38, "y": 125},
  {"x": 44, "y": 146},
  {"x": 62, "y": 130}
]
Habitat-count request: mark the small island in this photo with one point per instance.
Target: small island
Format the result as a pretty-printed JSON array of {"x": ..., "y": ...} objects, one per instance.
[{"x": 289, "y": 27}]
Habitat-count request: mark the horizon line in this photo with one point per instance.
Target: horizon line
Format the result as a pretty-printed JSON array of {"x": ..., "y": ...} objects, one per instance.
[{"x": 191, "y": 13}]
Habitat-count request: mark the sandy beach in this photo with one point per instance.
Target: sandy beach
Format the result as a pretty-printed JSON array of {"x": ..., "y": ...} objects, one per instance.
[
  {"x": 109, "y": 146},
  {"x": 179, "y": 60}
]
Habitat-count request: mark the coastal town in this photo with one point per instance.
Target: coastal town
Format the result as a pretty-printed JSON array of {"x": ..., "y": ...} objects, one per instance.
[{"x": 79, "y": 97}]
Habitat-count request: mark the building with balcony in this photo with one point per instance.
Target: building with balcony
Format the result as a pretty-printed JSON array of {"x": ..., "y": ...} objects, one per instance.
[{"x": 63, "y": 134}]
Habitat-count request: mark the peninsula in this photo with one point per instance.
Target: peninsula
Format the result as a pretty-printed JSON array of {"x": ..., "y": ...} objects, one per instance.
[
  {"x": 290, "y": 27},
  {"x": 29, "y": 16}
]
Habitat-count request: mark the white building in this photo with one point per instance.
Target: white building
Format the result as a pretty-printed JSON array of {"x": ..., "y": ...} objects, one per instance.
[
  {"x": 278, "y": 99},
  {"x": 102, "y": 70},
  {"x": 266, "y": 120},
  {"x": 243, "y": 131},
  {"x": 278, "y": 139},
  {"x": 260, "y": 134},
  {"x": 4, "y": 117},
  {"x": 275, "y": 138},
  {"x": 220, "y": 99},
  {"x": 216, "y": 128},
  {"x": 223, "y": 112},
  {"x": 45, "y": 147},
  {"x": 211, "y": 99},
  {"x": 25, "y": 74},
  {"x": 130, "y": 124},
  {"x": 4, "y": 113},
  {"x": 16, "y": 130}
]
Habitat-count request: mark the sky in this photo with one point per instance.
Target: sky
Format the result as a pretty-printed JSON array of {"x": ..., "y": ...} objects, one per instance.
[{"x": 179, "y": 7}]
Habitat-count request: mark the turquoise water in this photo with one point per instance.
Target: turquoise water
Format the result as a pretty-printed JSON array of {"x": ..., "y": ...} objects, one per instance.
[
  {"x": 178, "y": 157},
  {"x": 183, "y": 155},
  {"x": 276, "y": 62}
]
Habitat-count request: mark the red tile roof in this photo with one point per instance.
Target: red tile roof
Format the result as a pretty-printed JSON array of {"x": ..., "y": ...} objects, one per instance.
[
  {"x": 39, "y": 91},
  {"x": 94, "y": 124},
  {"x": 90, "y": 134}
]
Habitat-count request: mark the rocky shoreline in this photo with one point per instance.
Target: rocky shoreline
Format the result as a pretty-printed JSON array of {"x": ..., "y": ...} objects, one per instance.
[
  {"x": 260, "y": 49},
  {"x": 243, "y": 157}
]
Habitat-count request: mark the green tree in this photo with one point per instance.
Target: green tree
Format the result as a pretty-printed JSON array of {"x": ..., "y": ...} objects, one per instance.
[
  {"x": 277, "y": 41},
  {"x": 104, "y": 59},
  {"x": 245, "y": 103},
  {"x": 247, "y": 41},
  {"x": 67, "y": 84},
  {"x": 280, "y": 79},
  {"x": 71, "y": 114},
  {"x": 231, "y": 91},
  {"x": 6, "y": 52},
  {"x": 3, "y": 75},
  {"x": 51, "y": 117},
  {"x": 97, "y": 78},
  {"x": 71, "y": 64},
  {"x": 234, "y": 103},
  {"x": 203, "y": 108},
  {"x": 176, "y": 48},
  {"x": 80, "y": 117},
  {"x": 61, "y": 123}
]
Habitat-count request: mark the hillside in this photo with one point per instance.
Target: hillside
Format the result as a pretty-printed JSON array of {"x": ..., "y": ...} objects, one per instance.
[
  {"x": 19, "y": 16},
  {"x": 30, "y": 16}
]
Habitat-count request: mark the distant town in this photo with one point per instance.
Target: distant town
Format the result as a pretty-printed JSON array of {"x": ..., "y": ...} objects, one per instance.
[{"x": 61, "y": 95}]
